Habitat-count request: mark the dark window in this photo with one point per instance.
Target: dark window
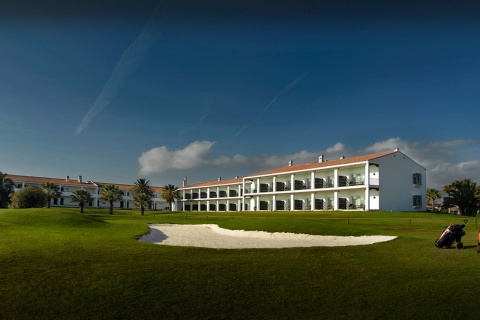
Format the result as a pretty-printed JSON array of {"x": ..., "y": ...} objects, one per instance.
[
  {"x": 417, "y": 201},
  {"x": 417, "y": 179}
]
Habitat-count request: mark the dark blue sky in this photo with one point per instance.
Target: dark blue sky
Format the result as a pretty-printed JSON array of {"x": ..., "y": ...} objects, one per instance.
[{"x": 116, "y": 90}]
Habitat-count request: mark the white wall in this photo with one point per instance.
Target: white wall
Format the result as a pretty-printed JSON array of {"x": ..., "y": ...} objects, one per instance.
[{"x": 396, "y": 183}]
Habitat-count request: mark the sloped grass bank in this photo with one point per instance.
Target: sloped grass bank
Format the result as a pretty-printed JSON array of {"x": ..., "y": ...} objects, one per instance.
[{"x": 58, "y": 264}]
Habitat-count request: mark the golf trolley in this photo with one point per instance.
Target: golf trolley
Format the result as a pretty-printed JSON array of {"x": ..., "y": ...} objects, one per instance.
[{"x": 451, "y": 234}]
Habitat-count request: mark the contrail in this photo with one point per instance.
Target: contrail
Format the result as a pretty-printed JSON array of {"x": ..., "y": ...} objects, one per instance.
[
  {"x": 281, "y": 92},
  {"x": 125, "y": 67}
]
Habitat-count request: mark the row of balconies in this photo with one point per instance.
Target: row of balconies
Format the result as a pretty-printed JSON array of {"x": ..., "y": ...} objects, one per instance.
[
  {"x": 320, "y": 204},
  {"x": 212, "y": 195},
  {"x": 320, "y": 183}
]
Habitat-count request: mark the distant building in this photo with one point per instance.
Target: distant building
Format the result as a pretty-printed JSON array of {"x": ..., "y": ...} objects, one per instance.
[
  {"x": 383, "y": 181},
  {"x": 69, "y": 186}
]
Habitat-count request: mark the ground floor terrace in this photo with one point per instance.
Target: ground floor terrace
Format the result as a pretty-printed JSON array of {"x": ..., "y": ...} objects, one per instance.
[{"x": 353, "y": 199}]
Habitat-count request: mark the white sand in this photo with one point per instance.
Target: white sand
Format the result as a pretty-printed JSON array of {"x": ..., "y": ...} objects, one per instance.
[{"x": 212, "y": 236}]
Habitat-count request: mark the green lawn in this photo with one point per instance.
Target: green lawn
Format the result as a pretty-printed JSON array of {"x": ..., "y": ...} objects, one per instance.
[{"x": 58, "y": 264}]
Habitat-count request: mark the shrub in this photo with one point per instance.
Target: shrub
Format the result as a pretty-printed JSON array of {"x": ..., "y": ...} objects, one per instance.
[{"x": 29, "y": 197}]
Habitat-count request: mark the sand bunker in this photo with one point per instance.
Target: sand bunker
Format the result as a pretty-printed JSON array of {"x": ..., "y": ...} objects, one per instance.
[{"x": 212, "y": 236}]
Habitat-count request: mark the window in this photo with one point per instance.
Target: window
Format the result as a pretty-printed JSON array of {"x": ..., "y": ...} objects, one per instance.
[
  {"x": 417, "y": 201},
  {"x": 417, "y": 179}
]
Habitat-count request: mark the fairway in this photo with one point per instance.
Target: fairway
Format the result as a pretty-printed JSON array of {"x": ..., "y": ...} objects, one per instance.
[{"x": 59, "y": 264}]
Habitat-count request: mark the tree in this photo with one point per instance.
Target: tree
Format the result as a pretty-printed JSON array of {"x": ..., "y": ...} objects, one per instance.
[
  {"x": 432, "y": 195},
  {"x": 111, "y": 193},
  {"x": 29, "y": 197},
  {"x": 82, "y": 197},
  {"x": 6, "y": 189},
  {"x": 143, "y": 194},
  {"x": 51, "y": 190},
  {"x": 143, "y": 201},
  {"x": 170, "y": 193},
  {"x": 142, "y": 186},
  {"x": 464, "y": 194}
]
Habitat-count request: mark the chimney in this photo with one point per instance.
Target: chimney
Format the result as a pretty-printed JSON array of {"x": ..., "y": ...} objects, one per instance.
[
  {"x": 219, "y": 178},
  {"x": 290, "y": 163},
  {"x": 80, "y": 179},
  {"x": 236, "y": 177},
  {"x": 68, "y": 179},
  {"x": 342, "y": 157},
  {"x": 184, "y": 184},
  {"x": 396, "y": 149},
  {"x": 320, "y": 158}
]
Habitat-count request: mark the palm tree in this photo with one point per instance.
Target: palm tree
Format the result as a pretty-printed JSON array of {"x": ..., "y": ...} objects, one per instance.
[
  {"x": 432, "y": 195},
  {"x": 6, "y": 189},
  {"x": 111, "y": 193},
  {"x": 51, "y": 190},
  {"x": 142, "y": 186},
  {"x": 143, "y": 201},
  {"x": 170, "y": 193},
  {"x": 81, "y": 196},
  {"x": 464, "y": 194},
  {"x": 143, "y": 194}
]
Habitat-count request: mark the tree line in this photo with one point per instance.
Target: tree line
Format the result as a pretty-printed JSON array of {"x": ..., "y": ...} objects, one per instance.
[
  {"x": 464, "y": 194},
  {"x": 33, "y": 196}
]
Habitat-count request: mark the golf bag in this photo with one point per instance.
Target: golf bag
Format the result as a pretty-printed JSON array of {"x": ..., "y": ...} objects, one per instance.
[{"x": 451, "y": 234}]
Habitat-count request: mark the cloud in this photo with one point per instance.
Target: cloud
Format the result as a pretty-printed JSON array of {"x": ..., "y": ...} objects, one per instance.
[
  {"x": 336, "y": 148},
  {"x": 128, "y": 63},
  {"x": 451, "y": 144},
  {"x": 237, "y": 160},
  {"x": 161, "y": 159}
]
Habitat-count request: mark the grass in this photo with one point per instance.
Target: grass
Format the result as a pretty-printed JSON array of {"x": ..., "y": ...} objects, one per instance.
[{"x": 58, "y": 264}]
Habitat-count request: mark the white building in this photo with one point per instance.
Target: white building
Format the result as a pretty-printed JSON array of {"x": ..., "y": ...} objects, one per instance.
[
  {"x": 383, "y": 181},
  {"x": 69, "y": 186}
]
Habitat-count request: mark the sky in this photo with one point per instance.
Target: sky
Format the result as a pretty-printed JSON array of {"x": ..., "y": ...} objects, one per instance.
[{"x": 120, "y": 90}]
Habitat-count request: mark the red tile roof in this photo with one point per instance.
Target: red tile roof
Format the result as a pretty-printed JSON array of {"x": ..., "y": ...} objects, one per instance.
[
  {"x": 314, "y": 165},
  {"x": 71, "y": 182},
  {"x": 292, "y": 168},
  {"x": 40, "y": 180},
  {"x": 214, "y": 183}
]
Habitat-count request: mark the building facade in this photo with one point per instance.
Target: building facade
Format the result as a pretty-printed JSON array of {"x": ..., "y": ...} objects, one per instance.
[
  {"x": 69, "y": 186},
  {"x": 388, "y": 181}
]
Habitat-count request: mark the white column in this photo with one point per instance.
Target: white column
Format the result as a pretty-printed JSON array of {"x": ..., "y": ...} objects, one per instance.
[
  {"x": 335, "y": 199},
  {"x": 312, "y": 181},
  {"x": 243, "y": 196},
  {"x": 335, "y": 180},
  {"x": 367, "y": 187},
  {"x": 312, "y": 201},
  {"x": 274, "y": 202},
  {"x": 292, "y": 202},
  {"x": 274, "y": 187}
]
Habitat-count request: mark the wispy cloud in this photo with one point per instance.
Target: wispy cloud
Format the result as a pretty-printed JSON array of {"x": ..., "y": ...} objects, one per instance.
[
  {"x": 281, "y": 92},
  {"x": 128, "y": 63}
]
